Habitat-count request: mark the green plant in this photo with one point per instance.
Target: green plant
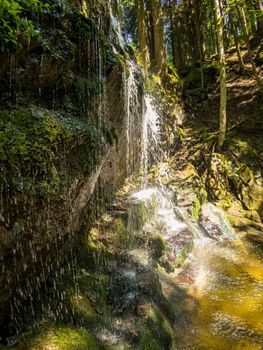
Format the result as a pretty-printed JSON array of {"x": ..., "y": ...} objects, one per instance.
[{"x": 17, "y": 19}]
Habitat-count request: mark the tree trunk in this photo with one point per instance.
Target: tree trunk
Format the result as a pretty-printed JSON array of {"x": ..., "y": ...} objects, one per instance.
[
  {"x": 259, "y": 10},
  {"x": 149, "y": 26},
  {"x": 243, "y": 20},
  {"x": 235, "y": 35},
  {"x": 222, "y": 61},
  {"x": 251, "y": 15},
  {"x": 159, "y": 63},
  {"x": 214, "y": 45},
  {"x": 172, "y": 32},
  {"x": 199, "y": 39},
  {"x": 142, "y": 34}
]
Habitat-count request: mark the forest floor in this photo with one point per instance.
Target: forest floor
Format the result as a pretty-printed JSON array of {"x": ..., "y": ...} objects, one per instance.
[{"x": 233, "y": 180}]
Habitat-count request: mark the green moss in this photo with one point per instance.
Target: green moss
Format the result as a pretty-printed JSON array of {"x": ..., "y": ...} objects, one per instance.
[
  {"x": 60, "y": 338},
  {"x": 139, "y": 213},
  {"x": 86, "y": 87},
  {"x": 246, "y": 151},
  {"x": 95, "y": 254},
  {"x": 122, "y": 236},
  {"x": 208, "y": 136},
  {"x": 142, "y": 212},
  {"x": 31, "y": 141},
  {"x": 181, "y": 133},
  {"x": 149, "y": 342},
  {"x": 160, "y": 328},
  {"x": 196, "y": 209},
  {"x": 89, "y": 302},
  {"x": 158, "y": 245},
  {"x": 184, "y": 253}
]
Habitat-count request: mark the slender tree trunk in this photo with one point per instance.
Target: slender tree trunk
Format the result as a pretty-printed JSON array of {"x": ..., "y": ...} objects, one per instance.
[
  {"x": 242, "y": 16},
  {"x": 115, "y": 8},
  {"x": 172, "y": 32},
  {"x": 222, "y": 61},
  {"x": 259, "y": 10},
  {"x": 215, "y": 21},
  {"x": 194, "y": 41},
  {"x": 214, "y": 45},
  {"x": 159, "y": 48},
  {"x": 150, "y": 31},
  {"x": 199, "y": 38},
  {"x": 116, "y": 11},
  {"x": 251, "y": 15},
  {"x": 177, "y": 25},
  {"x": 235, "y": 35},
  {"x": 142, "y": 34}
]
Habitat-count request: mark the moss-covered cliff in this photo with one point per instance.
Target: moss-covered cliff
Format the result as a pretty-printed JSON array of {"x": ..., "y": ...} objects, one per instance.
[{"x": 63, "y": 135}]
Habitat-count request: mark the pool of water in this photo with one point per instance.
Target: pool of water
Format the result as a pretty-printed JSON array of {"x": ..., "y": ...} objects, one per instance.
[{"x": 224, "y": 281}]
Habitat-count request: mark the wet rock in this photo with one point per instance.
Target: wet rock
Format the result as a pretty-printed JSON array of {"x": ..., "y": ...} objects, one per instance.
[
  {"x": 248, "y": 191},
  {"x": 215, "y": 223},
  {"x": 216, "y": 179},
  {"x": 189, "y": 191},
  {"x": 255, "y": 236},
  {"x": 143, "y": 310},
  {"x": 157, "y": 244}
]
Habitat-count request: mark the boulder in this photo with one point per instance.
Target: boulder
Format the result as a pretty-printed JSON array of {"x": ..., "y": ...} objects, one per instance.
[{"x": 215, "y": 223}]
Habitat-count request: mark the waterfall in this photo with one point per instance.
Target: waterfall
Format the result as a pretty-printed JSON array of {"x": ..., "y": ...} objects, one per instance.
[
  {"x": 142, "y": 120},
  {"x": 133, "y": 114},
  {"x": 150, "y": 137}
]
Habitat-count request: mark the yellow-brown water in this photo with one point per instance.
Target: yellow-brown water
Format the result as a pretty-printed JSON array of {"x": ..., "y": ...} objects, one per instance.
[{"x": 227, "y": 297}]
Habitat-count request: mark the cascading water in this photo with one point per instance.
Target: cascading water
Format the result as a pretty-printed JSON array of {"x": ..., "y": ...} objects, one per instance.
[
  {"x": 143, "y": 119},
  {"x": 150, "y": 137},
  {"x": 133, "y": 114}
]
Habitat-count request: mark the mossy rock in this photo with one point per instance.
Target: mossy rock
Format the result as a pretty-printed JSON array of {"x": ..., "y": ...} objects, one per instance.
[
  {"x": 95, "y": 253},
  {"x": 160, "y": 328},
  {"x": 243, "y": 223},
  {"x": 60, "y": 338},
  {"x": 196, "y": 209},
  {"x": 122, "y": 235},
  {"x": 141, "y": 212},
  {"x": 248, "y": 191},
  {"x": 157, "y": 333},
  {"x": 92, "y": 287},
  {"x": 32, "y": 140},
  {"x": 184, "y": 253},
  {"x": 157, "y": 245},
  {"x": 149, "y": 342}
]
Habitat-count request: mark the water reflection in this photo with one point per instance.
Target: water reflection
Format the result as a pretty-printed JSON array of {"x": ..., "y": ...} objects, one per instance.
[{"x": 227, "y": 284}]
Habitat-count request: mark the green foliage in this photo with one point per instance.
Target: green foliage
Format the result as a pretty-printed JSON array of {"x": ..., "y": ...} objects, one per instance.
[
  {"x": 208, "y": 136},
  {"x": 16, "y": 19},
  {"x": 181, "y": 133}
]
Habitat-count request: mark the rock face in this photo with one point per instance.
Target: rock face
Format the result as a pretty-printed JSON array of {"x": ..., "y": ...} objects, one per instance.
[
  {"x": 63, "y": 118},
  {"x": 215, "y": 223}
]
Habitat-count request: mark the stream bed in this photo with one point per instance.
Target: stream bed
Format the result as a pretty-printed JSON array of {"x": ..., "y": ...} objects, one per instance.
[{"x": 225, "y": 280}]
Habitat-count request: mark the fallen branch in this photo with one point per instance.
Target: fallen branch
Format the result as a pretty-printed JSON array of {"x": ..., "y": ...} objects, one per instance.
[
  {"x": 236, "y": 125},
  {"x": 215, "y": 133}
]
